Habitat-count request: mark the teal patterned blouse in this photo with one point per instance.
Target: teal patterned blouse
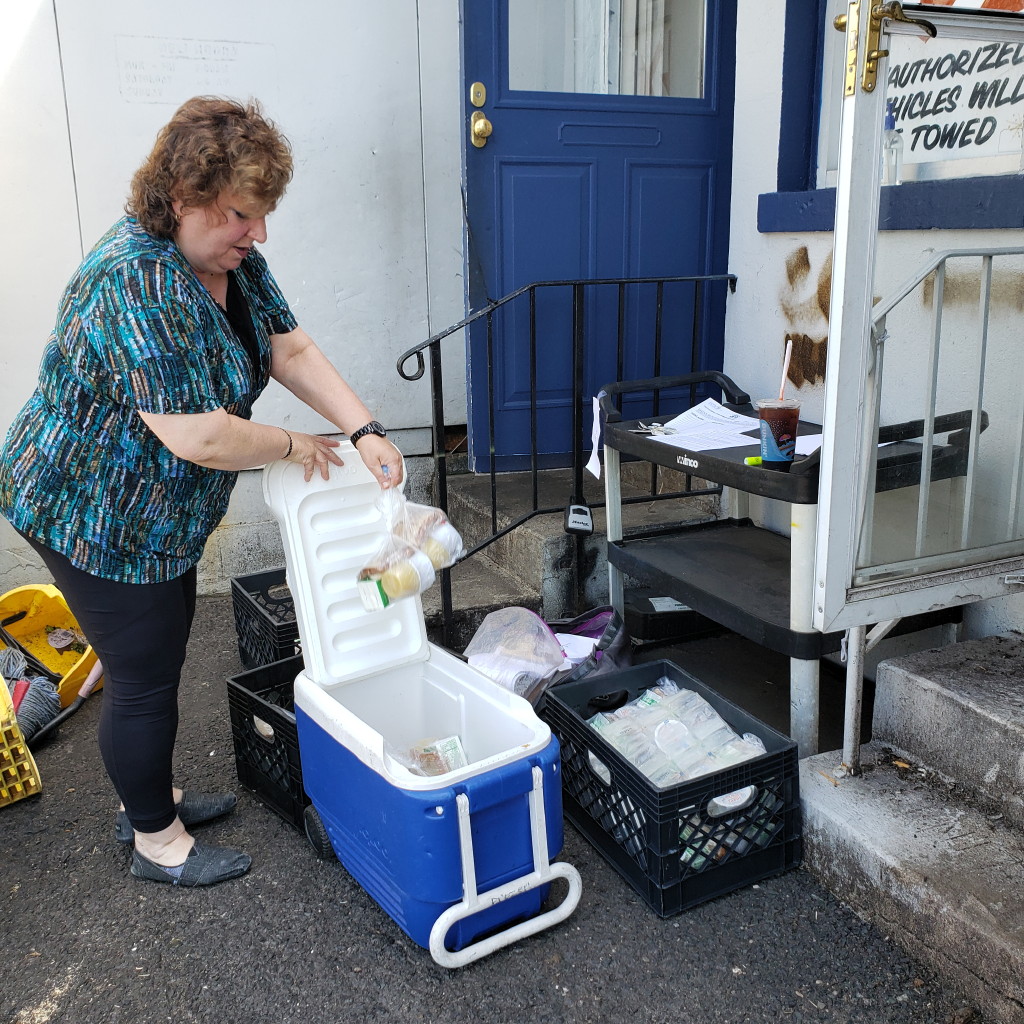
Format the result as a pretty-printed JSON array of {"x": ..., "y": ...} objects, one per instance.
[{"x": 136, "y": 332}]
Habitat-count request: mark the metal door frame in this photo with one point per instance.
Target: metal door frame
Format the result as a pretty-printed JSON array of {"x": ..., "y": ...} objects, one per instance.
[{"x": 848, "y": 422}]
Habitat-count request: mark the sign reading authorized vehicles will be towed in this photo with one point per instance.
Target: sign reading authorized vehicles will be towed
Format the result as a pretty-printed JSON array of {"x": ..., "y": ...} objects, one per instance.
[{"x": 957, "y": 99}]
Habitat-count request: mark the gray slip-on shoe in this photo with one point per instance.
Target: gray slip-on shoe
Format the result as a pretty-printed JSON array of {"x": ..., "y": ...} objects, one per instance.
[
  {"x": 194, "y": 809},
  {"x": 204, "y": 865}
]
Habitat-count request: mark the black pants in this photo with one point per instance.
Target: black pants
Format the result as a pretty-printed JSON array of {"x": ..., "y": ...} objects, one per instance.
[{"x": 139, "y": 632}]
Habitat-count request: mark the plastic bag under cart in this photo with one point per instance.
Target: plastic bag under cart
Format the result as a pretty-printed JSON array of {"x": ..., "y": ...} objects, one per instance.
[{"x": 462, "y": 860}]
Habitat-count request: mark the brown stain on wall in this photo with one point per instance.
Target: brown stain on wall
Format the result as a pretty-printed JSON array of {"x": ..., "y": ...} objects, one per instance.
[
  {"x": 963, "y": 288},
  {"x": 804, "y": 302}
]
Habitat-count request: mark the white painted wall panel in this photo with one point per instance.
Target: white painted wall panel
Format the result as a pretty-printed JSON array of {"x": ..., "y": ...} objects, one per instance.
[
  {"x": 441, "y": 82},
  {"x": 341, "y": 79},
  {"x": 41, "y": 244}
]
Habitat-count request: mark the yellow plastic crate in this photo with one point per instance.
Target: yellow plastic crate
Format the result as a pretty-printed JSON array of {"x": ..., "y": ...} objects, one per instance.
[
  {"x": 44, "y": 606},
  {"x": 19, "y": 776}
]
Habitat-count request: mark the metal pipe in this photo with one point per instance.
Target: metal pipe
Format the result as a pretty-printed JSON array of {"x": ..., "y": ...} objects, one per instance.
[
  {"x": 854, "y": 699},
  {"x": 659, "y": 319},
  {"x": 438, "y": 426},
  {"x": 695, "y": 335},
  {"x": 804, "y": 701},
  {"x": 896, "y": 577},
  {"x": 533, "y": 396},
  {"x": 613, "y": 522},
  {"x": 491, "y": 447},
  {"x": 871, "y": 426},
  {"x": 659, "y": 305},
  {"x": 620, "y": 345},
  {"x": 928, "y": 433},
  {"x": 441, "y": 475},
  {"x": 695, "y": 358},
  {"x": 1016, "y": 473},
  {"x": 890, "y": 302},
  {"x": 984, "y": 308},
  {"x": 577, "y": 393}
]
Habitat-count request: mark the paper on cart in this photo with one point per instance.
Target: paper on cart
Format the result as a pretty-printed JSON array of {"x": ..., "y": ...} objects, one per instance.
[
  {"x": 807, "y": 444},
  {"x": 707, "y": 426}
]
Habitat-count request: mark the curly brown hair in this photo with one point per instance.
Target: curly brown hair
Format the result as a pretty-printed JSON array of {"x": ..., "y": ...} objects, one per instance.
[{"x": 210, "y": 145}]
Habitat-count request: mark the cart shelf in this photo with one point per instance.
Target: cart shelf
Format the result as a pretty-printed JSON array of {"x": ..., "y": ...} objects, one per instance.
[{"x": 737, "y": 574}]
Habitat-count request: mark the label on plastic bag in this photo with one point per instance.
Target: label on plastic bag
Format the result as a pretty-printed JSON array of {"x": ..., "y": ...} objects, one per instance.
[{"x": 371, "y": 593}]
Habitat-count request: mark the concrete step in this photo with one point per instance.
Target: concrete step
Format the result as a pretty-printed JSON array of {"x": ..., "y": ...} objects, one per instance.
[
  {"x": 943, "y": 879},
  {"x": 959, "y": 711},
  {"x": 539, "y": 552},
  {"x": 479, "y": 587}
]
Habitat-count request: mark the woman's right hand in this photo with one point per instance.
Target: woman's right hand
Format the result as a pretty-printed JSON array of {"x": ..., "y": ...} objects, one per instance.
[{"x": 316, "y": 453}]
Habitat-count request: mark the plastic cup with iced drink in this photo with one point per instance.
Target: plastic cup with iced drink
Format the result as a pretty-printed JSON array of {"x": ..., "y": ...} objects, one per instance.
[{"x": 779, "y": 417}]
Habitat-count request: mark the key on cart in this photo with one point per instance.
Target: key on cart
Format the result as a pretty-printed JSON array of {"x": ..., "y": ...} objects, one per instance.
[{"x": 654, "y": 429}]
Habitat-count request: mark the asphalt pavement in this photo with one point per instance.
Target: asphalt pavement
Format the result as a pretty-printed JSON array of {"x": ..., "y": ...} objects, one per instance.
[{"x": 297, "y": 939}]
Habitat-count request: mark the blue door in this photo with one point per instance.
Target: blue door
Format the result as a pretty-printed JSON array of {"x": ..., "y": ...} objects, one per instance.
[{"x": 609, "y": 155}]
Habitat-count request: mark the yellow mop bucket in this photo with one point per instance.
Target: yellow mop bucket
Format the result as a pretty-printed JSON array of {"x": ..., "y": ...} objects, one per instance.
[
  {"x": 19, "y": 776},
  {"x": 29, "y": 615}
]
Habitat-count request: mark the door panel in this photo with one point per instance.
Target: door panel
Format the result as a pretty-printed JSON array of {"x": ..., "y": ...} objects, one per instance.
[
  {"x": 575, "y": 183},
  {"x": 667, "y": 205}
]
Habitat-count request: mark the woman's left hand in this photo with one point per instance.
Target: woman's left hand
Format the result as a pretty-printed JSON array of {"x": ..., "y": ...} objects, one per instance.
[{"x": 378, "y": 452}]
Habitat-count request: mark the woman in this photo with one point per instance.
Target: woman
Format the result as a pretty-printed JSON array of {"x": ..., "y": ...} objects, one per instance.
[{"x": 122, "y": 462}]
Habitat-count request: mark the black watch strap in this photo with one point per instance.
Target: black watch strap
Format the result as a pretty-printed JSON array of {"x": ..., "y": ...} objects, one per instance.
[{"x": 373, "y": 427}]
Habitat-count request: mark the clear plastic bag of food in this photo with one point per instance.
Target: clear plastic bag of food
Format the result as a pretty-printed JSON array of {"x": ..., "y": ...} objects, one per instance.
[
  {"x": 428, "y": 529},
  {"x": 516, "y": 648},
  {"x": 438, "y": 756},
  {"x": 429, "y": 756},
  {"x": 397, "y": 570}
]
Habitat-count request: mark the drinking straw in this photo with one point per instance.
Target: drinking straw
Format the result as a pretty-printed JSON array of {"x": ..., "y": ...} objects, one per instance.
[{"x": 785, "y": 368}]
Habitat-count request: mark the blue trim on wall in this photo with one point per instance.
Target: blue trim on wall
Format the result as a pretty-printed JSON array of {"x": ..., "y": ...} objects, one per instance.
[
  {"x": 962, "y": 203},
  {"x": 801, "y": 89}
]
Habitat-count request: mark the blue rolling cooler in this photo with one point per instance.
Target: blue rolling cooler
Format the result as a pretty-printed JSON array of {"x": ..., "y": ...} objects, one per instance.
[{"x": 460, "y": 861}]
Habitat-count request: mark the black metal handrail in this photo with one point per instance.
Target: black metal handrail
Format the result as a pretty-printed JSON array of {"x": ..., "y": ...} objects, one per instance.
[{"x": 578, "y": 288}]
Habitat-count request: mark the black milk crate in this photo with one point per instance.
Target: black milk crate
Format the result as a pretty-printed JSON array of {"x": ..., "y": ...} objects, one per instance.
[
  {"x": 264, "y": 618},
  {"x": 262, "y": 705},
  {"x": 665, "y": 841}
]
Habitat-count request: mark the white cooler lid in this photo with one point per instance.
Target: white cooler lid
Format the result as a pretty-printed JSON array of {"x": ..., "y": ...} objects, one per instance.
[{"x": 331, "y": 530}]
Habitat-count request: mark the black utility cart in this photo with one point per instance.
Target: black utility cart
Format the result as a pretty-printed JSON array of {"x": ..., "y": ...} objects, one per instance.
[{"x": 749, "y": 579}]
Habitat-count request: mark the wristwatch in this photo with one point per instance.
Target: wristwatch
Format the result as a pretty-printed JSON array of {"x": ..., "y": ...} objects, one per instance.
[{"x": 373, "y": 427}]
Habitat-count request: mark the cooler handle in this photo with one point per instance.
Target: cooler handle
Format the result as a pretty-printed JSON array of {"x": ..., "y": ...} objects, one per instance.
[{"x": 472, "y": 901}]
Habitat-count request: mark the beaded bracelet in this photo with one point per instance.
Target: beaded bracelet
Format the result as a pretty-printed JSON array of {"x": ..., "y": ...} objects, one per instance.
[{"x": 290, "y": 443}]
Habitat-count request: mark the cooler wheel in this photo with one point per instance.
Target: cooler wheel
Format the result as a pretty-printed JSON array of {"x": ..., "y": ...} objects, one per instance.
[{"x": 317, "y": 835}]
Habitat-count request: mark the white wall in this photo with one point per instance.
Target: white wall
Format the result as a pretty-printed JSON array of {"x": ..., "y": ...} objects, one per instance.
[
  {"x": 366, "y": 244},
  {"x": 765, "y": 305},
  {"x": 41, "y": 239},
  {"x": 342, "y": 79}
]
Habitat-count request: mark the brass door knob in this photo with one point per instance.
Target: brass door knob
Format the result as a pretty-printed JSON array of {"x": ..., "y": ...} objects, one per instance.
[{"x": 479, "y": 129}]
